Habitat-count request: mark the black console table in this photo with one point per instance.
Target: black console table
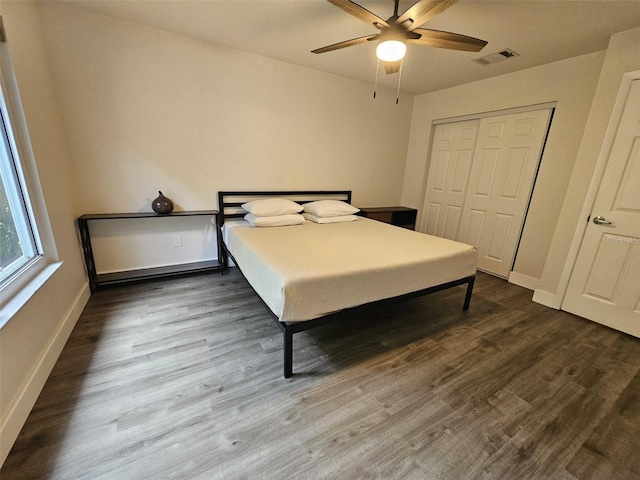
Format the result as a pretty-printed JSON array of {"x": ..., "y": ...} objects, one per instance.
[{"x": 96, "y": 280}]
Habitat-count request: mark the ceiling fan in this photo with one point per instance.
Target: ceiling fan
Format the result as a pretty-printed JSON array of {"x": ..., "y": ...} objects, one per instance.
[{"x": 396, "y": 30}]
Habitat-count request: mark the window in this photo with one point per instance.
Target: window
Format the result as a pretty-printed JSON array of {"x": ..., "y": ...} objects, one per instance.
[
  {"x": 27, "y": 250},
  {"x": 17, "y": 232}
]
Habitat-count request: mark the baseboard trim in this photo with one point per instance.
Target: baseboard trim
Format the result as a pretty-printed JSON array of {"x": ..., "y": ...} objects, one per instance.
[
  {"x": 21, "y": 407},
  {"x": 523, "y": 280},
  {"x": 547, "y": 299}
]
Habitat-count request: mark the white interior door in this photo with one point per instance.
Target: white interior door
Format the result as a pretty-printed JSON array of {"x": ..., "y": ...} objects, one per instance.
[
  {"x": 449, "y": 169},
  {"x": 605, "y": 283},
  {"x": 505, "y": 162}
]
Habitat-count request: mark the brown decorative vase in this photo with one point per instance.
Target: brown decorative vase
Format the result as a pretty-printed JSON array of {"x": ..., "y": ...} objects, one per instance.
[{"x": 162, "y": 204}]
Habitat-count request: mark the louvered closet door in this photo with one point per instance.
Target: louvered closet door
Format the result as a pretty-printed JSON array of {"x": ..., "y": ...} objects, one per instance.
[
  {"x": 505, "y": 161},
  {"x": 450, "y": 166}
]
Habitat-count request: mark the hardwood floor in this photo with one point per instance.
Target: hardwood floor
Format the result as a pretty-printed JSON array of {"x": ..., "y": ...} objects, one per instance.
[{"x": 182, "y": 378}]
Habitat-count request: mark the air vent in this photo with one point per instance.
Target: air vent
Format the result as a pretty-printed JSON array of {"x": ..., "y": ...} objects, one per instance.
[{"x": 497, "y": 57}]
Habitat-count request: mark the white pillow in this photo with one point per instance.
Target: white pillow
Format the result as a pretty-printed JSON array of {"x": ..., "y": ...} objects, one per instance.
[
  {"x": 338, "y": 219},
  {"x": 330, "y": 208},
  {"x": 274, "y": 220},
  {"x": 268, "y": 207}
]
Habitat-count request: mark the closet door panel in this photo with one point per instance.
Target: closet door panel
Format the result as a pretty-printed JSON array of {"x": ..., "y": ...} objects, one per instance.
[
  {"x": 450, "y": 167},
  {"x": 505, "y": 161}
]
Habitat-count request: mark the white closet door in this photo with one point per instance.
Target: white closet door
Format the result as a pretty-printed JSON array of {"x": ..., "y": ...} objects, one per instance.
[
  {"x": 505, "y": 161},
  {"x": 449, "y": 169}
]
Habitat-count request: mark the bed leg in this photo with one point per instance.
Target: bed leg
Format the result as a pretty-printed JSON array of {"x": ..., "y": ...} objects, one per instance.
[
  {"x": 288, "y": 352},
  {"x": 224, "y": 264},
  {"x": 467, "y": 298}
]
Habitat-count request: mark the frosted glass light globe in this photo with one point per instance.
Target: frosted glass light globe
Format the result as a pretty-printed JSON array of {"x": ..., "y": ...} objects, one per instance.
[{"x": 391, "y": 50}]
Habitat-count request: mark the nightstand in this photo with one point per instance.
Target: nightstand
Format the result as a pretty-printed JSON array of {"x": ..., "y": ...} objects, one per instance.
[{"x": 400, "y": 216}]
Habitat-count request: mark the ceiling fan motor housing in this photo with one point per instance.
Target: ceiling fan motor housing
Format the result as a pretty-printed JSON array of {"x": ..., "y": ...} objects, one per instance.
[{"x": 391, "y": 46}]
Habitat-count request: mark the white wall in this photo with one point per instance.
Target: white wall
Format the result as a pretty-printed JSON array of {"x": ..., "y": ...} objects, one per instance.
[
  {"x": 32, "y": 340},
  {"x": 623, "y": 55},
  {"x": 571, "y": 83},
  {"x": 147, "y": 110}
]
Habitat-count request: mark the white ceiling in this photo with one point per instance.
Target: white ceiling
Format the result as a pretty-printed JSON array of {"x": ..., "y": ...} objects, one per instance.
[{"x": 541, "y": 31}]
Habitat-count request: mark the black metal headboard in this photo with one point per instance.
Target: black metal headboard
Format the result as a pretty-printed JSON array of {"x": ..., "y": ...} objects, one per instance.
[{"x": 230, "y": 202}]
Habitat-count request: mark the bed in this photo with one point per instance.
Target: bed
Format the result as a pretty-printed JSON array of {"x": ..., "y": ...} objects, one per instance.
[{"x": 305, "y": 274}]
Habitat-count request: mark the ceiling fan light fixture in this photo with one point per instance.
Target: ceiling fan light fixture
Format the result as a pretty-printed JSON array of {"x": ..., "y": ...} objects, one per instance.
[{"x": 391, "y": 50}]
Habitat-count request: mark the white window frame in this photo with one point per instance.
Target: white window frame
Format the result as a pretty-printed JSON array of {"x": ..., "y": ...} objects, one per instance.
[
  {"x": 13, "y": 179},
  {"x": 22, "y": 284}
]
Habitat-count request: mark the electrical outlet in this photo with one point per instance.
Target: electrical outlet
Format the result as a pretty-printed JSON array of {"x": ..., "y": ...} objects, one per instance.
[{"x": 177, "y": 240}]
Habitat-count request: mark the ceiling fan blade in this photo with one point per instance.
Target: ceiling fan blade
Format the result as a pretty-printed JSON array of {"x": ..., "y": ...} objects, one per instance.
[
  {"x": 392, "y": 67},
  {"x": 423, "y": 11},
  {"x": 452, "y": 41},
  {"x": 346, "y": 43},
  {"x": 360, "y": 13}
]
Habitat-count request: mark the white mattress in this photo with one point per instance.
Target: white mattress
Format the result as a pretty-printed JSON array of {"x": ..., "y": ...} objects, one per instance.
[{"x": 310, "y": 270}]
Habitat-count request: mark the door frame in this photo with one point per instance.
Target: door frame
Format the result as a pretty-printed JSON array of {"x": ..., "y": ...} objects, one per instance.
[
  {"x": 496, "y": 113},
  {"x": 594, "y": 186}
]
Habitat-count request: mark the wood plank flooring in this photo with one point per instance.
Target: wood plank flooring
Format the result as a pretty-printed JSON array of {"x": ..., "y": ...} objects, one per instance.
[{"x": 182, "y": 379}]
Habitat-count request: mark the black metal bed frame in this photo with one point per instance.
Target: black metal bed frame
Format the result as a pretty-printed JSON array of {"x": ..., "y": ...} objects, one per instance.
[{"x": 233, "y": 209}]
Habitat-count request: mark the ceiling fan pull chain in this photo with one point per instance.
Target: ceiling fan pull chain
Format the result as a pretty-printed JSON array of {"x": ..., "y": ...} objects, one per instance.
[
  {"x": 375, "y": 85},
  {"x": 399, "y": 77}
]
